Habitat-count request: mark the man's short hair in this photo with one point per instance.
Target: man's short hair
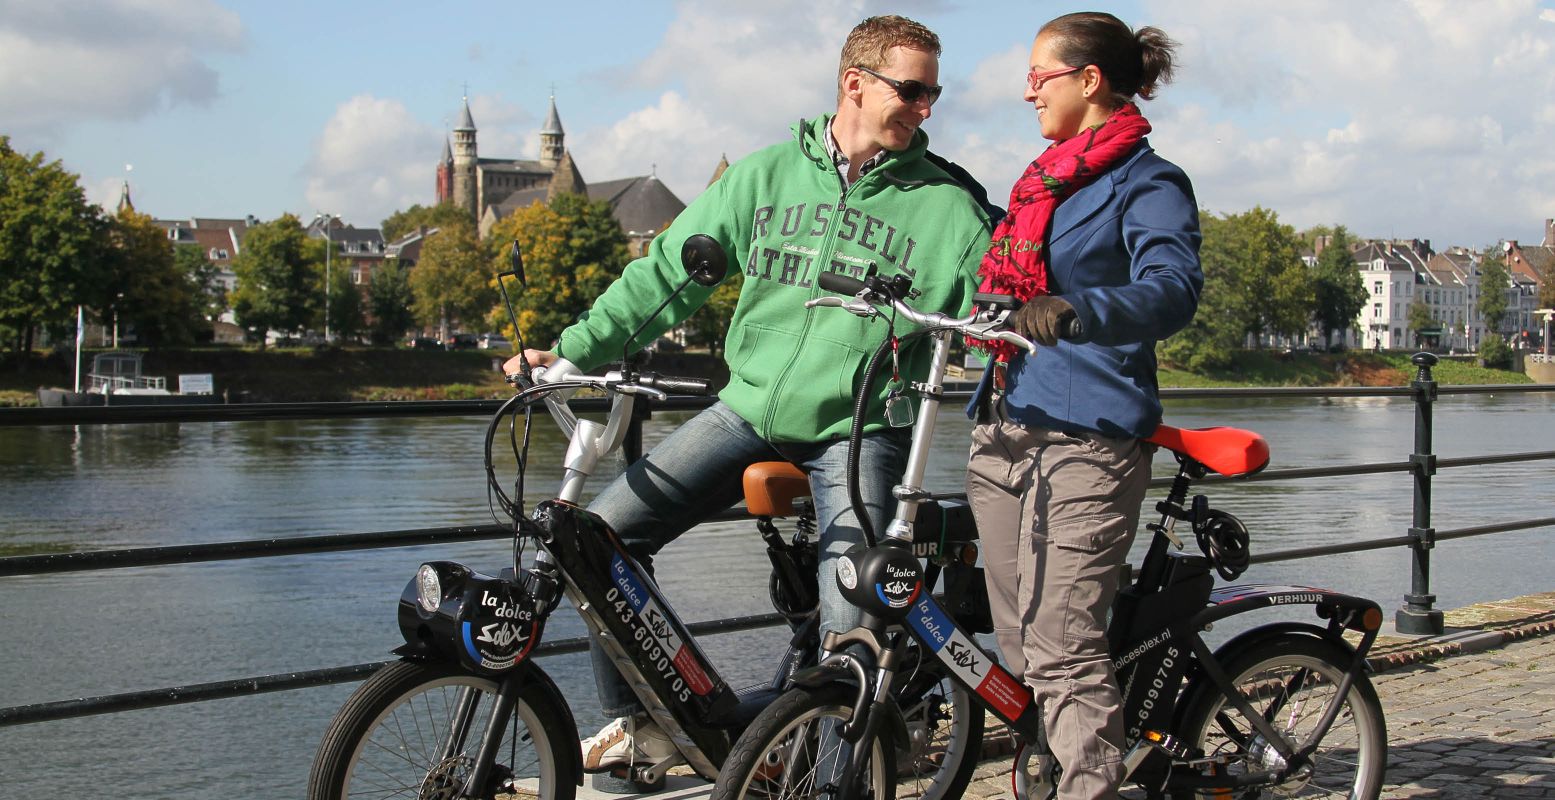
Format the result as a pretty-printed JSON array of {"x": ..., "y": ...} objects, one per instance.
[{"x": 871, "y": 40}]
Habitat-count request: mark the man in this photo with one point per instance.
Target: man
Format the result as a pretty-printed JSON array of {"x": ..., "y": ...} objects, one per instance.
[{"x": 851, "y": 192}]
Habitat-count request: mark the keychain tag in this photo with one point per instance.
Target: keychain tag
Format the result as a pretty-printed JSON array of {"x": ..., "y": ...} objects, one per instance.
[{"x": 898, "y": 410}]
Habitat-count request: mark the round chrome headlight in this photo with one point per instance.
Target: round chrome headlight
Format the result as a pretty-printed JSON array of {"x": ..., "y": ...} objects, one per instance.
[
  {"x": 847, "y": 574},
  {"x": 429, "y": 588}
]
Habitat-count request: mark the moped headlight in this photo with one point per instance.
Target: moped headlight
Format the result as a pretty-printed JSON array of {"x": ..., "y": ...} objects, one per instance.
[{"x": 429, "y": 588}]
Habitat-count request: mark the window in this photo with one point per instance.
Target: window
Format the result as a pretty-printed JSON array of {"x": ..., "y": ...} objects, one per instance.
[
  {"x": 1376, "y": 288},
  {"x": 1376, "y": 310}
]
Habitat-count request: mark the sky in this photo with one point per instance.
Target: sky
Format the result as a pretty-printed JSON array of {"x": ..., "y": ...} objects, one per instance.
[{"x": 1428, "y": 119}]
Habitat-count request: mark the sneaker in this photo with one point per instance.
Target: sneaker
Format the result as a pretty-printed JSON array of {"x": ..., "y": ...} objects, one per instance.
[{"x": 627, "y": 741}]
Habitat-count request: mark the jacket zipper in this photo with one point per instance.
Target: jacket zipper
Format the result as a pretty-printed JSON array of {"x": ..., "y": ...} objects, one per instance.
[{"x": 822, "y": 263}]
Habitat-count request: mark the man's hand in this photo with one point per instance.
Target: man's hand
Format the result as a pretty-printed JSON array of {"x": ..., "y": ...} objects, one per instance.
[
  {"x": 537, "y": 358},
  {"x": 1043, "y": 319}
]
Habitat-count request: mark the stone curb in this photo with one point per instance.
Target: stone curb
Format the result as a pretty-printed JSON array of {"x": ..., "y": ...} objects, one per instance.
[{"x": 1454, "y": 644}]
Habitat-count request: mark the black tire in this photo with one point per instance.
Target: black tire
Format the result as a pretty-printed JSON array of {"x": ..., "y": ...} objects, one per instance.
[
  {"x": 1291, "y": 679},
  {"x": 384, "y": 741},
  {"x": 776, "y": 758},
  {"x": 945, "y": 724}
]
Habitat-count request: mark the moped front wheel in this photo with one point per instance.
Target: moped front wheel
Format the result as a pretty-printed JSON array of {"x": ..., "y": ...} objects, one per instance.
[
  {"x": 1291, "y": 681},
  {"x": 414, "y": 730},
  {"x": 792, "y": 750}
]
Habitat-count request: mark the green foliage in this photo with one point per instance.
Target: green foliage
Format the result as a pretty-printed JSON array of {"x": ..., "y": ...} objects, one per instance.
[
  {"x": 1338, "y": 291},
  {"x": 573, "y": 249},
  {"x": 52, "y": 245},
  {"x": 389, "y": 300},
  {"x": 452, "y": 282},
  {"x": 1494, "y": 281},
  {"x": 402, "y": 222},
  {"x": 1495, "y": 353},
  {"x": 277, "y": 284},
  {"x": 191, "y": 262},
  {"x": 1259, "y": 264},
  {"x": 346, "y": 318},
  {"x": 147, "y": 287},
  {"x": 1420, "y": 318}
]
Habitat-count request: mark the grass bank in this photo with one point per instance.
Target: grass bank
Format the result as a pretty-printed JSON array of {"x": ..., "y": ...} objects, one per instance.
[{"x": 289, "y": 375}]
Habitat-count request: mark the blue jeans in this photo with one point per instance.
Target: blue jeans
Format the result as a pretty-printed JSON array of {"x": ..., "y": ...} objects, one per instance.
[{"x": 697, "y": 471}]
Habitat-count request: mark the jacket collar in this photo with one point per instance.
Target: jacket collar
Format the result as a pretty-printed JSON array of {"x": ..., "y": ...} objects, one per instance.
[{"x": 1084, "y": 204}]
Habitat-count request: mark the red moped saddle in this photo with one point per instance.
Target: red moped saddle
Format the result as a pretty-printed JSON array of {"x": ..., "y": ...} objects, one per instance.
[
  {"x": 1228, "y": 451},
  {"x": 771, "y": 486}
]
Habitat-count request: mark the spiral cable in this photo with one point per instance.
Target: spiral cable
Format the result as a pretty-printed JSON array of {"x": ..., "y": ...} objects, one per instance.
[{"x": 1224, "y": 540}]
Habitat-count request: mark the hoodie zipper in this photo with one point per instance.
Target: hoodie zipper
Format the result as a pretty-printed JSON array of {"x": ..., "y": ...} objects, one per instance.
[{"x": 823, "y": 263}]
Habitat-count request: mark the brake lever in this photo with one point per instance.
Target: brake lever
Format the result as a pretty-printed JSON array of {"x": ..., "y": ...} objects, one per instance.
[
  {"x": 632, "y": 388},
  {"x": 991, "y": 331},
  {"x": 852, "y": 305}
]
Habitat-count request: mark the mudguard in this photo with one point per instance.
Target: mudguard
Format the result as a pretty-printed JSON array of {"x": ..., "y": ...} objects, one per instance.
[
  {"x": 1355, "y": 613},
  {"x": 536, "y": 679}
]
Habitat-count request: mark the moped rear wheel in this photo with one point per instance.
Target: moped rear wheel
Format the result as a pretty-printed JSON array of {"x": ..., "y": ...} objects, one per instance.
[
  {"x": 791, "y": 751},
  {"x": 413, "y": 731},
  {"x": 1291, "y": 681}
]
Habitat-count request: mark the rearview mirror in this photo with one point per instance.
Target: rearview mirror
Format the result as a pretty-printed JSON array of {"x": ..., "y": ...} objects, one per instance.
[{"x": 704, "y": 260}]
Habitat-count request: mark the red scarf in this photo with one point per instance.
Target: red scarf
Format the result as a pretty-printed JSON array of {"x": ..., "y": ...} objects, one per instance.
[{"x": 1016, "y": 261}]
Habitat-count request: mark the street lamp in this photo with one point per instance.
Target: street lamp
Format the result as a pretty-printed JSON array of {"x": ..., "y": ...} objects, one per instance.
[{"x": 329, "y": 245}]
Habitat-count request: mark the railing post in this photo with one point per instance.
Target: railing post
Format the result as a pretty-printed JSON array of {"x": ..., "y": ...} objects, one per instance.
[{"x": 1417, "y": 615}]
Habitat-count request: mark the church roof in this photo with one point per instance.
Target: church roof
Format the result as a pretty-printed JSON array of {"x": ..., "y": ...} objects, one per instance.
[
  {"x": 466, "y": 122},
  {"x": 553, "y": 122},
  {"x": 640, "y": 204},
  {"x": 448, "y": 153},
  {"x": 512, "y": 165},
  {"x": 566, "y": 179}
]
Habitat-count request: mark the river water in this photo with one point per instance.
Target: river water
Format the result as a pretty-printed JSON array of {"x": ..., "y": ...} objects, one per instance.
[{"x": 88, "y": 634}]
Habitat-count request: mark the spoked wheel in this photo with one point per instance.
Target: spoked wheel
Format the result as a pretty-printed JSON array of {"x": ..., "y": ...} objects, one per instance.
[
  {"x": 791, "y": 750},
  {"x": 1291, "y": 681},
  {"x": 414, "y": 730},
  {"x": 945, "y": 726}
]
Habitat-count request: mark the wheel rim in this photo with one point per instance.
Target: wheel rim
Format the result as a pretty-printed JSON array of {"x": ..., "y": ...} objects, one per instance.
[
  {"x": 797, "y": 765},
  {"x": 400, "y": 756},
  {"x": 1292, "y": 691}
]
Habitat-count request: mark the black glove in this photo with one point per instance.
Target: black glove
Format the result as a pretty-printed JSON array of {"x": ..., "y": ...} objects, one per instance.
[{"x": 1044, "y": 319}]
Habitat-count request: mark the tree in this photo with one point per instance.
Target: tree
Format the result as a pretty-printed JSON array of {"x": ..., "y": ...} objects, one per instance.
[
  {"x": 452, "y": 281},
  {"x": 573, "y": 249},
  {"x": 389, "y": 300},
  {"x": 402, "y": 222},
  {"x": 1494, "y": 281},
  {"x": 277, "y": 282},
  {"x": 51, "y": 247},
  {"x": 147, "y": 289},
  {"x": 192, "y": 262},
  {"x": 1420, "y": 319},
  {"x": 1339, "y": 293},
  {"x": 1269, "y": 289},
  {"x": 346, "y": 318}
]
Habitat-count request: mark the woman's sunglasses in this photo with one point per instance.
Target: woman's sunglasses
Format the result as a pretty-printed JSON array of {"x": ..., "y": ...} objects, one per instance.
[{"x": 909, "y": 91}]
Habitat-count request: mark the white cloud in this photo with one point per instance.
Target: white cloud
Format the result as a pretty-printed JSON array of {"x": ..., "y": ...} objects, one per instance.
[
  {"x": 1417, "y": 118},
  {"x": 71, "y": 60},
  {"x": 371, "y": 160}
]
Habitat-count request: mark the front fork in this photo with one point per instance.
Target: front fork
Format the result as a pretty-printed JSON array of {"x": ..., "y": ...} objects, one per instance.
[{"x": 464, "y": 713}]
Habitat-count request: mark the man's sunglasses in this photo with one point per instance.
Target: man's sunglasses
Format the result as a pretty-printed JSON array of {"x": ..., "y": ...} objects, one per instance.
[{"x": 909, "y": 91}]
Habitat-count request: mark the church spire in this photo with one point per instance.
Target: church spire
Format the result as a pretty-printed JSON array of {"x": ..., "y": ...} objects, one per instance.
[
  {"x": 125, "y": 206},
  {"x": 552, "y": 138}
]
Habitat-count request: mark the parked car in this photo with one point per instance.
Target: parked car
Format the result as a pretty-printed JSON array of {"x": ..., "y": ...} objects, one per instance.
[
  {"x": 422, "y": 343},
  {"x": 460, "y": 341},
  {"x": 493, "y": 341}
]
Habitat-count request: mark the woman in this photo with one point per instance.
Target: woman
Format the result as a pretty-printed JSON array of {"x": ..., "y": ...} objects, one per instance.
[{"x": 1103, "y": 232}]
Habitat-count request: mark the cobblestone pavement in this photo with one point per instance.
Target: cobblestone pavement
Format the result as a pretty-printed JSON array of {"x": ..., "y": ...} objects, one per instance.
[{"x": 1469, "y": 714}]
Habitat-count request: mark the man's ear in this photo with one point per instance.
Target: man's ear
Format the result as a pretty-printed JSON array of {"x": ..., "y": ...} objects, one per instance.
[{"x": 853, "y": 85}]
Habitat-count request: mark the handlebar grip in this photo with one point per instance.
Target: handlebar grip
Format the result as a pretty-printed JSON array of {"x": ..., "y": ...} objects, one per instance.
[
  {"x": 1073, "y": 329},
  {"x": 670, "y": 384},
  {"x": 841, "y": 284}
]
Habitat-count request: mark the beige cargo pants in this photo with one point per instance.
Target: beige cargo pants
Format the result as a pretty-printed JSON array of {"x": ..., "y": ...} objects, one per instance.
[{"x": 1056, "y": 514}]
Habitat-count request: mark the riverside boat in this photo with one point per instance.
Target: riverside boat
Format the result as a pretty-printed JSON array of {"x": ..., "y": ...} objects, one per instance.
[{"x": 116, "y": 380}]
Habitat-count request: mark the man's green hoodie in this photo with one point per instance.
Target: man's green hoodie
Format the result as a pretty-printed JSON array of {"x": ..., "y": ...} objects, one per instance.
[{"x": 783, "y": 217}]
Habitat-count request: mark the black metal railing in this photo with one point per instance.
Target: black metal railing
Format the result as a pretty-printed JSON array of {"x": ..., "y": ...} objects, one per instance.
[{"x": 1416, "y": 616}]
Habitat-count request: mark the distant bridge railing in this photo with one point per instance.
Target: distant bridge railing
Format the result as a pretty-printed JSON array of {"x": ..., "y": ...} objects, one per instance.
[{"x": 1416, "y": 616}]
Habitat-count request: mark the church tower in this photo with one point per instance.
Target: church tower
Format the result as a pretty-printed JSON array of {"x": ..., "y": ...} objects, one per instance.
[
  {"x": 466, "y": 190},
  {"x": 445, "y": 174},
  {"x": 551, "y": 136}
]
